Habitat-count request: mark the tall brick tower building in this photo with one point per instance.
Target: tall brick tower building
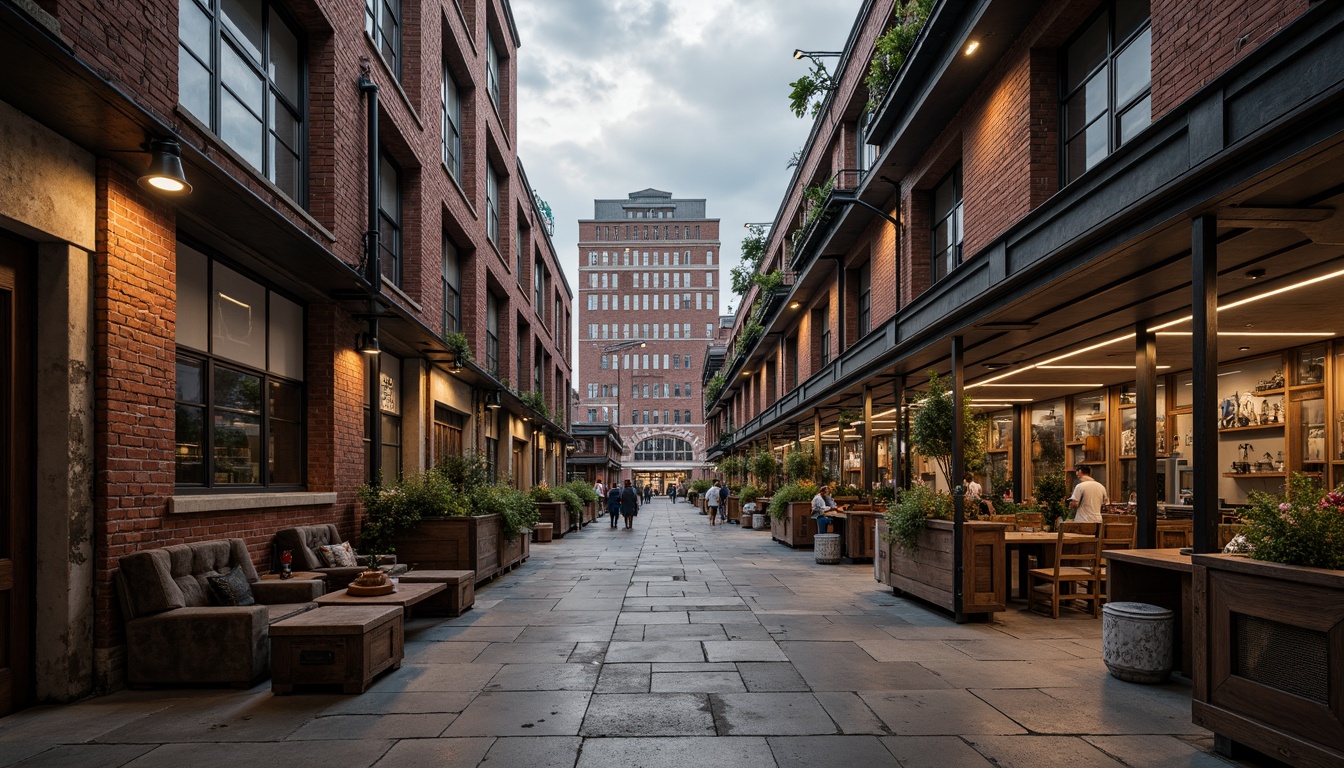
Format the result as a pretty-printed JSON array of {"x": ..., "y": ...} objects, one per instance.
[{"x": 648, "y": 309}]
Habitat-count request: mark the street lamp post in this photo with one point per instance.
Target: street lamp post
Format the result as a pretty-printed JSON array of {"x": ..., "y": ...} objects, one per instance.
[{"x": 632, "y": 344}]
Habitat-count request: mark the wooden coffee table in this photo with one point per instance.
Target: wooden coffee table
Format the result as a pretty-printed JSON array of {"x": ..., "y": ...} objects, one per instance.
[
  {"x": 336, "y": 646},
  {"x": 406, "y": 596}
]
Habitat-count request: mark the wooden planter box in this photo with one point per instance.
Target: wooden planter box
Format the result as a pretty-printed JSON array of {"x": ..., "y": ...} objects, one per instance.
[
  {"x": 1268, "y": 658},
  {"x": 514, "y": 553},
  {"x": 927, "y": 572},
  {"x": 453, "y": 544},
  {"x": 591, "y": 511},
  {"x": 555, "y": 513},
  {"x": 858, "y": 542},
  {"x": 797, "y": 528},
  {"x": 733, "y": 509}
]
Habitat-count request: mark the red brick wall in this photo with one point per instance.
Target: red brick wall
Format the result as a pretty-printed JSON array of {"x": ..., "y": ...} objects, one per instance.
[{"x": 1196, "y": 40}]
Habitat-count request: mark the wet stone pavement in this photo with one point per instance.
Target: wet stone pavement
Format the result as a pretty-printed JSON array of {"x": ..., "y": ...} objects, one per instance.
[{"x": 673, "y": 644}]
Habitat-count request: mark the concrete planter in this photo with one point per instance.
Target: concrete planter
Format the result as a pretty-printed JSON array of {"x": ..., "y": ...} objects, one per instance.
[
  {"x": 1268, "y": 649},
  {"x": 453, "y": 544}
]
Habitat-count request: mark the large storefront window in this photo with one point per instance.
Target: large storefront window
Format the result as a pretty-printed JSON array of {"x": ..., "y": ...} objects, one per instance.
[
  {"x": 1107, "y": 85},
  {"x": 239, "y": 394},
  {"x": 240, "y": 66}
]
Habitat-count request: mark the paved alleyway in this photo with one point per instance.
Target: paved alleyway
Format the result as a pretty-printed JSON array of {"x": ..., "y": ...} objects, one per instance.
[{"x": 675, "y": 644}]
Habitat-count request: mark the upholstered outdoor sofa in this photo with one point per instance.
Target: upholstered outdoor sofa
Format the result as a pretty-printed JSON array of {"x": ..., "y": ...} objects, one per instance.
[
  {"x": 303, "y": 543},
  {"x": 176, "y": 634}
]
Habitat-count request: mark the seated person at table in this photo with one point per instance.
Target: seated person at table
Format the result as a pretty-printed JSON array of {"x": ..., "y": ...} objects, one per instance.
[{"x": 821, "y": 504}]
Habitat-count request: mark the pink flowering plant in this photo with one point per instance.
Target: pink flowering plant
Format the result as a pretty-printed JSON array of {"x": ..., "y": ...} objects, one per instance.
[{"x": 1304, "y": 527}]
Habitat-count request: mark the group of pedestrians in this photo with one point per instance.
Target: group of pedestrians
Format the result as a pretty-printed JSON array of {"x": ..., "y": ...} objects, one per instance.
[{"x": 623, "y": 500}]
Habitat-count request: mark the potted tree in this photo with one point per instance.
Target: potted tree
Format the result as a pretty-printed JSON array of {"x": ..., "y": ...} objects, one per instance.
[
  {"x": 551, "y": 509},
  {"x": 1268, "y": 633},
  {"x": 791, "y": 506},
  {"x": 921, "y": 537}
]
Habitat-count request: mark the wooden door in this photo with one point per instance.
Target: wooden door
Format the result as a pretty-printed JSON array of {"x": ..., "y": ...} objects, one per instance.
[
  {"x": 16, "y": 476},
  {"x": 518, "y": 458}
]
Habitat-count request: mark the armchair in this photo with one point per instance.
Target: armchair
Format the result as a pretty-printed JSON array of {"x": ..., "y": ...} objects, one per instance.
[
  {"x": 175, "y": 635},
  {"x": 304, "y": 541}
]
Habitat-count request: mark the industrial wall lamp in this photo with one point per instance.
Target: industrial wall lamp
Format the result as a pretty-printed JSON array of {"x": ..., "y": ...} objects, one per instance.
[{"x": 164, "y": 174}]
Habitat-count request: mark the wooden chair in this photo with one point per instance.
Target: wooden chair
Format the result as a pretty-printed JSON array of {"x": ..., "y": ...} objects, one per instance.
[
  {"x": 1175, "y": 534},
  {"x": 1011, "y": 520},
  {"x": 1077, "y": 567},
  {"x": 1032, "y": 520},
  {"x": 1119, "y": 531}
]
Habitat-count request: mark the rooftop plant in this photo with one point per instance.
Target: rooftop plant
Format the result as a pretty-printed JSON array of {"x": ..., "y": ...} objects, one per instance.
[{"x": 893, "y": 47}]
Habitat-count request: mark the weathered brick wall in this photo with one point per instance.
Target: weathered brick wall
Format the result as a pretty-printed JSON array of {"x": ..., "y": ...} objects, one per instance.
[{"x": 1196, "y": 40}]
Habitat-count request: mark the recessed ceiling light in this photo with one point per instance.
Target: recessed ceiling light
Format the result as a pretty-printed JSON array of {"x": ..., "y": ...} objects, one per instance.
[
  {"x": 1254, "y": 274},
  {"x": 1244, "y": 349}
]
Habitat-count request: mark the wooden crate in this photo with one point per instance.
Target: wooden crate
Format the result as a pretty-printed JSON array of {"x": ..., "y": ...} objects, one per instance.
[
  {"x": 346, "y": 646},
  {"x": 797, "y": 528},
  {"x": 458, "y": 597}
]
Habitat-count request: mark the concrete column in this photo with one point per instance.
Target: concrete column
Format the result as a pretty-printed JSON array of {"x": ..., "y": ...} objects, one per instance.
[{"x": 63, "y": 647}]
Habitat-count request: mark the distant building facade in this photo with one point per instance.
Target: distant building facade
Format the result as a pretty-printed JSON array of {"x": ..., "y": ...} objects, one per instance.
[{"x": 648, "y": 307}]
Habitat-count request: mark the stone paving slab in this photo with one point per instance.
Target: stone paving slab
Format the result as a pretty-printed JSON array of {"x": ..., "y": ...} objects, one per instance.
[{"x": 674, "y": 644}]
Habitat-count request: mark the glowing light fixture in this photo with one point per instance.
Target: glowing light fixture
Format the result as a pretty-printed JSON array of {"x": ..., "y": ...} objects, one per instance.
[
  {"x": 164, "y": 173},
  {"x": 972, "y": 47}
]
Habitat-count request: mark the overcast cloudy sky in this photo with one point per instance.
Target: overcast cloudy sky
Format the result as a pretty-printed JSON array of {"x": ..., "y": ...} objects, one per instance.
[{"x": 687, "y": 96}]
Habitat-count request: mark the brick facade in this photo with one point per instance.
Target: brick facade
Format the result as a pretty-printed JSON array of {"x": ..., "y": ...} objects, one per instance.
[{"x": 613, "y": 249}]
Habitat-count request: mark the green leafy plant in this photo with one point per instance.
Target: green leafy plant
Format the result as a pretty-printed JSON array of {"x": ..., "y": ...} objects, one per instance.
[
  {"x": 582, "y": 489},
  {"x": 1051, "y": 489},
  {"x": 1304, "y": 527},
  {"x": 893, "y": 47},
  {"x": 769, "y": 281},
  {"x": 907, "y": 514},
  {"x": 931, "y": 430},
  {"x": 715, "y": 386},
  {"x": 808, "y": 92},
  {"x": 816, "y": 195},
  {"x": 731, "y": 466},
  {"x": 751, "y": 332},
  {"x": 536, "y": 401},
  {"x": 701, "y": 485},
  {"x": 571, "y": 499},
  {"x": 542, "y": 493},
  {"x": 800, "y": 465},
  {"x": 466, "y": 470},
  {"x": 457, "y": 343},
  {"x": 390, "y": 508},
  {"x": 790, "y": 492},
  {"x": 795, "y": 158},
  {"x": 884, "y": 494},
  {"x": 764, "y": 467},
  {"x": 750, "y": 492},
  {"x": 749, "y": 260},
  {"x": 848, "y": 417},
  {"x": 516, "y": 510},
  {"x": 848, "y": 490}
]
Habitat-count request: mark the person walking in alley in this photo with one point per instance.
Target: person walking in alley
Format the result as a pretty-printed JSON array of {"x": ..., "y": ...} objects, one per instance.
[
  {"x": 712, "y": 502},
  {"x": 629, "y": 504},
  {"x": 614, "y": 503}
]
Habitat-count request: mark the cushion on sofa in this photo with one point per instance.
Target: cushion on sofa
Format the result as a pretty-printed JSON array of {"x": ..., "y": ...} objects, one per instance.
[
  {"x": 338, "y": 555},
  {"x": 148, "y": 583},
  {"x": 230, "y": 588}
]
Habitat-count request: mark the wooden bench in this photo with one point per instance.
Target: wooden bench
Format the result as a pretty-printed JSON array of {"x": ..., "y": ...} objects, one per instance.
[
  {"x": 458, "y": 597},
  {"x": 346, "y": 646}
]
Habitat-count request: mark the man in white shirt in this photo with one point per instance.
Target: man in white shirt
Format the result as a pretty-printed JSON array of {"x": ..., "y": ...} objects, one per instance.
[
  {"x": 1089, "y": 496},
  {"x": 712, "y": 502}
]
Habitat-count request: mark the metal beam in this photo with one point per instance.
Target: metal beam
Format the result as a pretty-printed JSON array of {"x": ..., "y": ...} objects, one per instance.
[
  {"x": 1204, "y": 343},
  {"x": 869, "y": 475},
  {"x": 1145, "y": 416},
  {"x": 958, "y": 469}
]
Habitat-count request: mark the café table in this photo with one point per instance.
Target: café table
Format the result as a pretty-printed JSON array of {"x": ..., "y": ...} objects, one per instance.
[
  {"x": 406, "y": 596},
  {"x": 857, "y": 534},
  {"x": 1042, "y": 543},
  {"x": 1158, "y": 577}
]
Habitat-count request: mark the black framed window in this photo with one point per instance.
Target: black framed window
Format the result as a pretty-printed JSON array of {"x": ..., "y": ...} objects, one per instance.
[
  {"x": 241, "y": 71},
  {"x": 452, "y": 126},
  {"x": 946, "y": 224},
  {"x": 826, "y": 347},
  {"x": 865, "y": 298},
  {"x": 539, "y": 290},
  {"x": 452, "y": 288},
  {"x": 382, "y": 22},
  {"x": 664, "y": 449},
  {"x": 492, "y": 69},
  {"x": 389, "y": 410},
  {"x": 492, "y": 205},
  {"x": 239, "y": 410},
  {"x": 539, "y": 368},
  {"x": 492, "y": 334},
  {"x": 389, "y": 219},
  {"x": 1106, "y": 85}
]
